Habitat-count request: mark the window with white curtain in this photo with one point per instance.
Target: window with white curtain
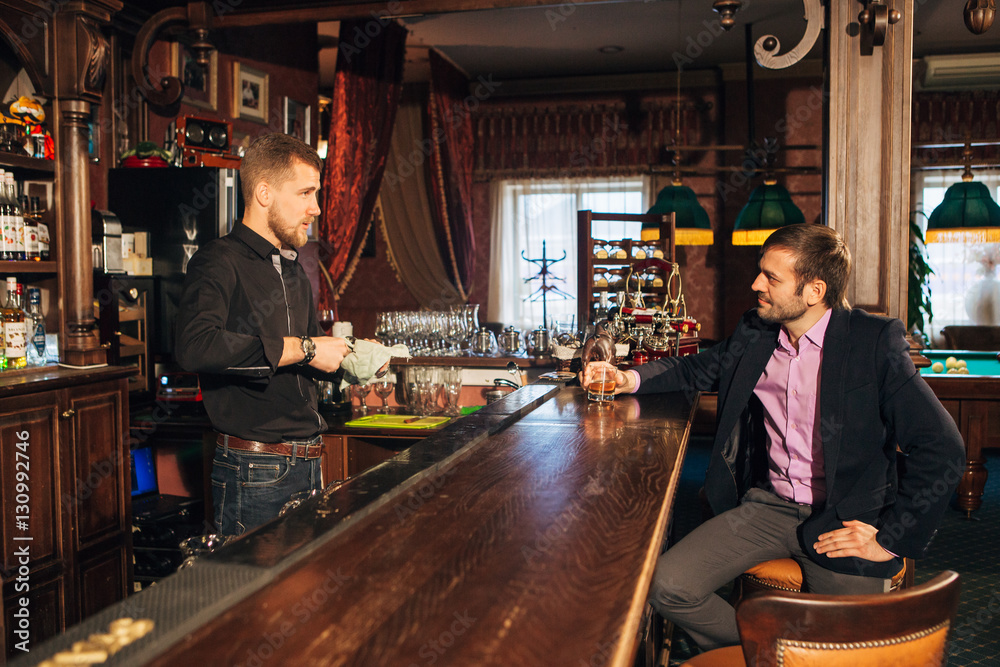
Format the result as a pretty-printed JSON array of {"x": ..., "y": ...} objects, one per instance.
[
  {"x": 527, "y": 213},
  {"x": 957, "y": 266}
]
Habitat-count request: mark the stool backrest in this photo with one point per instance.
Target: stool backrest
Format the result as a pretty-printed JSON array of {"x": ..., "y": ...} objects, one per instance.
[{"x": 909, "y": 627}]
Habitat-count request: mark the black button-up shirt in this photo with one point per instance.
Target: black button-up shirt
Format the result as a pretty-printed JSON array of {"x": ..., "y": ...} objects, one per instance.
[{"x": 236, "y": 310}]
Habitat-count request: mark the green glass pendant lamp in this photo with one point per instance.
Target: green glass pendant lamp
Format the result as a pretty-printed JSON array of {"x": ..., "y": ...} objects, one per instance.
[
  {"x": 691, "y": 225},
  {"x": 968, "y": 212}
]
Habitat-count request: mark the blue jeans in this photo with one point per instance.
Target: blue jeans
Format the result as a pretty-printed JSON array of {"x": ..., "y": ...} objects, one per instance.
[{"x": 250, "y": 489}]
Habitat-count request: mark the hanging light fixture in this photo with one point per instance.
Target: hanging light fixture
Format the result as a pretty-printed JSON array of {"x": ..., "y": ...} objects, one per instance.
[
  {"x": 770, "y": 206},
  {"x": 968, "y": 212},
  {"x": 691, "y": 224}
]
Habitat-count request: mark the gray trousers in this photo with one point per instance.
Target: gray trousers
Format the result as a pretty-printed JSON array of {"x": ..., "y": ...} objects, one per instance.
[{"x": 763, "y": 527}]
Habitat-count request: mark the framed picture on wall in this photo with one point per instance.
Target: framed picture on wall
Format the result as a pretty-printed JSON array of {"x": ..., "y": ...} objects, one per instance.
[
  {"x": 250, "y": 93},
  {"x": 298, "y": 119},
  {"x": 201, "y": 84}
]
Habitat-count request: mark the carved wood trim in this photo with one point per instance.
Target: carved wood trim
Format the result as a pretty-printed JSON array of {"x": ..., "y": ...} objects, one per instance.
[
  {"x": 868, "y": 179},
  {"x": 766, "y": 48},
  {"x": 27, "y": 34}
]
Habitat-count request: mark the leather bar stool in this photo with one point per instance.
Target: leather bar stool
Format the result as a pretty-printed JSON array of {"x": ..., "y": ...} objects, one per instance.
[
  {"x": 784, "y": 574},
  {"x": 908, "y": 628}
]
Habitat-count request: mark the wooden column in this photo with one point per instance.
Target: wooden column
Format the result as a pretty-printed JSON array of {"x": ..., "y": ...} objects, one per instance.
[
  {"x": 82, "y": 54},
  {"x": 868, "y": 179}
]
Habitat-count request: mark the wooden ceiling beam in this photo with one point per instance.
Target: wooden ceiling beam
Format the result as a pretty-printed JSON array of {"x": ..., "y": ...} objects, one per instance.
[{"x": 328, "y": 11}]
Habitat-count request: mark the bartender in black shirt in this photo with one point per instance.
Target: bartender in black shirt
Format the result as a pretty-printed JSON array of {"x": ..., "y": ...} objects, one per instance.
[{"x": 247, "y": 325}]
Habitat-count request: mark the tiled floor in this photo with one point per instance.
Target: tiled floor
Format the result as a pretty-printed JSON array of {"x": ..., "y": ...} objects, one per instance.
[{"x": 970, "y": 547}]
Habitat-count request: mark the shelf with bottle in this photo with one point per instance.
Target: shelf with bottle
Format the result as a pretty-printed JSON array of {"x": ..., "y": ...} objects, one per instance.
[
  {"x": 26, "y": 237},
  {"x": 31, "y": 166},
  {"x": 604, "y": 265}
]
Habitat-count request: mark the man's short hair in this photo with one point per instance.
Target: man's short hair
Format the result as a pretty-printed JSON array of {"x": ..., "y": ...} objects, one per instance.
[
  {"x": 272, "y": 157},
  {"x": 820, "y": 253}
]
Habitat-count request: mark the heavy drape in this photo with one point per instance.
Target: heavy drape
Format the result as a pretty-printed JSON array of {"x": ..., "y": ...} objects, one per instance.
[
  {"x": 409, "y": 226},
  {"x": 366, "y": 94},
  {"x": 450, "y": 109}
]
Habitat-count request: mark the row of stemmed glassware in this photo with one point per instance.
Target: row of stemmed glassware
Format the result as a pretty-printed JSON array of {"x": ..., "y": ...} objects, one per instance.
[
  {"x": 430, "y": 333},
  {"x": 425, "y": 385},
  {"x": 383, "y": 387}
]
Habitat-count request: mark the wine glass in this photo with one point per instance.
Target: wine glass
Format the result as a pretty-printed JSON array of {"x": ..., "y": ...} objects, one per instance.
[
  {"x": 383, "y": 388},
  {"x": 360, "y": 391},
  {"x": 326, "y": 319},
  {"x": 453, "y": 390}
]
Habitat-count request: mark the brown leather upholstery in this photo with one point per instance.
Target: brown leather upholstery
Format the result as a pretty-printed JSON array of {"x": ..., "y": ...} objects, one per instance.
[
  {"x": 784, "y": 574},
  {"x": 805, "y": 630}
]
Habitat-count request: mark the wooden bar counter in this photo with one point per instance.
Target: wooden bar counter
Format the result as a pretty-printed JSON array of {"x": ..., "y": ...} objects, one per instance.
[{"x": 524, "y": 534}]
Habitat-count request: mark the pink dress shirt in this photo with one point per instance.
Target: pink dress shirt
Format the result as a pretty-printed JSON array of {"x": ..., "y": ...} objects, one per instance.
[{"x": 789, "y": 392}]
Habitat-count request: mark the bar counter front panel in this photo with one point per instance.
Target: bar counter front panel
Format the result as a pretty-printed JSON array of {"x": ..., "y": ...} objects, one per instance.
[{"x": 524, "y": 534}]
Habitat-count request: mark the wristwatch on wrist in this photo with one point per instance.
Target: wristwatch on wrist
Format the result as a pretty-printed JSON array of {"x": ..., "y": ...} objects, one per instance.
[{"x": 308, "y": 349}]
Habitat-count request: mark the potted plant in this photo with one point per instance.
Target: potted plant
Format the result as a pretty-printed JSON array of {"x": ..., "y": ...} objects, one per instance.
[
  {"x": 146, "y": 154},
  {"x": 918, "y": 312}
]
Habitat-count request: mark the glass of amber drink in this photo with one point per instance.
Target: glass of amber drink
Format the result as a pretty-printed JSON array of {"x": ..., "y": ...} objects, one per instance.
[{"x": 602, "y": 385}]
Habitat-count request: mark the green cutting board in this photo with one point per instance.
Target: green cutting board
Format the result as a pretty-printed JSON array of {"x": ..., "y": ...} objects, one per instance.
[{"x": 396, "y": 421}]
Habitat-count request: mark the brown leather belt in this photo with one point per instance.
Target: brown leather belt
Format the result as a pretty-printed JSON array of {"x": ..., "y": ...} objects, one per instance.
[{"x": 279, "y": 448}]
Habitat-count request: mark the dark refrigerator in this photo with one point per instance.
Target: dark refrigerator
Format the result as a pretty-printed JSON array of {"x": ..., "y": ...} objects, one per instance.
[{"x": 180, "y": 209}]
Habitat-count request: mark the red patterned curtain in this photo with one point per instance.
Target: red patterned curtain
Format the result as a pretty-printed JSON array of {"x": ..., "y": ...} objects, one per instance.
[
  {"x": 450, "y": 165},
  {"x": 365, "y": 100}
]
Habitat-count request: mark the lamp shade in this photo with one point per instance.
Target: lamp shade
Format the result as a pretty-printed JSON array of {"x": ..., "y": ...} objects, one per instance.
[
  {"x": 691, "y": 225},
  {"x": 769, "y": 208},
  {"x": 968, "y": 213}
]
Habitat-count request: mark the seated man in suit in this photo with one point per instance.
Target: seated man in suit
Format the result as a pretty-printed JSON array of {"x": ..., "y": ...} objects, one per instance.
[{"x": 814, "y": 399}]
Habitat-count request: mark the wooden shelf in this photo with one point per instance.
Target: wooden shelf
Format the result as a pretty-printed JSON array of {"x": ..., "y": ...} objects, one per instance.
[
  {"x": 586, "y": 260},
  {"x": 131, "y": 314},
  {"x": 23, "y": 162},
  {"x": 29, "y": 266}
]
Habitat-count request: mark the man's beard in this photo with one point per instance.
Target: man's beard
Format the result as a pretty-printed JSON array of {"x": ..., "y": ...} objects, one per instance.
[
  {"x": 784, "y": 313},
  {"x": 293, "y": 237}
]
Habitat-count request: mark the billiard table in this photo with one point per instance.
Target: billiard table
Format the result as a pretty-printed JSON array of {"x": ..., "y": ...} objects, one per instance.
[{"x": 973, "y": 401}]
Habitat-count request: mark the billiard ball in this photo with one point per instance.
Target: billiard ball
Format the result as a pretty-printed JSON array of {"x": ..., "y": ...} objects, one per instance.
[
  {"x": 962, "y": 364},
  {"x": 950, "y": 363},
  {"x": 937, "y": 367}
]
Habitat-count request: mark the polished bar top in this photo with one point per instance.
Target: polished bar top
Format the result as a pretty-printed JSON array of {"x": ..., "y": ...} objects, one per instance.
[
  {"x": 525, "y": 533},
  {"x": 52, "y": 376}
]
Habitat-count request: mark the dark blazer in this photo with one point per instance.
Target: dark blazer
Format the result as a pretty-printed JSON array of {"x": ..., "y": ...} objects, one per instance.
[{"x": 872, "y": 400}]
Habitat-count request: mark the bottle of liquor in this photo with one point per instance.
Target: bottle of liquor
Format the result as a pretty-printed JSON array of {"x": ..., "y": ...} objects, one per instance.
[
  {"x": 7, "y": 241},
  {"x": 15, "y": 208},
  {"x": 36, "y": 328},
  {"x": 43, "y": 229},
  {"x": 14, "y": 329},
  {"x": 30, "y": 231}
]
